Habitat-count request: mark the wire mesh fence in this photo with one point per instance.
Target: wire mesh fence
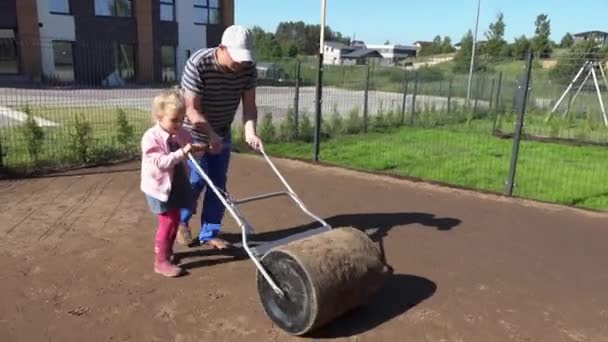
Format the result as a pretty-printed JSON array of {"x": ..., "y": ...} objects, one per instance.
[{"x": 413, "y": 121}]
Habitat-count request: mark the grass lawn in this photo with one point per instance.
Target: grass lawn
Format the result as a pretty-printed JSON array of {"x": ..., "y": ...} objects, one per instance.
[{"x": 471, "y": 157}]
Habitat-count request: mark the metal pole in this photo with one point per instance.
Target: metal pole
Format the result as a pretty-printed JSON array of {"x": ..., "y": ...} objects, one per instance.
[
  {"x": 599, "y": 95},
  {"x": 366, "y": 101},
  {"x": 603, "y": 74},
  {"x": 296, "y": 100},
  {"x": 473, "y": 54},
  {"x": 578, "y": 74},
  {"x": 414, "y": 98},
  {"x": 497, "y": 102},
  {"x": 404, "y": 96},
  {"x": 319, "y": 84},
  {"x": 449, "y": 96},
  {"x": 524, "y": 89},
  {"x": 578, "y": 91}
]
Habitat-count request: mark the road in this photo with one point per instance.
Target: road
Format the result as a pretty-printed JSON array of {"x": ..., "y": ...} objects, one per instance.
[{"x": 276, "y": 100}]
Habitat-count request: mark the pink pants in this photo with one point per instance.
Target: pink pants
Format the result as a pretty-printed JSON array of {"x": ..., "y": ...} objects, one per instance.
[{"x": 166, "y": 232}]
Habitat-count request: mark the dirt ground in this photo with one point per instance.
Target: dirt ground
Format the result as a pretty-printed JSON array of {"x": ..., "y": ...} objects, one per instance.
[{"x": 77, "y": 252}]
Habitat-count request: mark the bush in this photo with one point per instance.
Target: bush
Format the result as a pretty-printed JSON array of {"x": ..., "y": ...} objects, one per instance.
[
  {"x": 80, "y": 138},
  {"x": 124, "y": 133},
  {"x": 287, "y": 129},
  {"x": 378, "y": 122},
  {"x": 267, "y": 130},
  {"x": 335, "y": 126},
  {"x": 33, "y": 135},
  {"x": 306, "y": 132},
  {"x": 354, "y": 122}
]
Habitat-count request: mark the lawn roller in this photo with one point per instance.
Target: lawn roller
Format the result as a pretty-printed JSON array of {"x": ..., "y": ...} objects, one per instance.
[{"x": 308, "y": 279}]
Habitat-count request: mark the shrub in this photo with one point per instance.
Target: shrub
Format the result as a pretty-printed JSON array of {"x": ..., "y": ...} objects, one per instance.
[
  {"x": 80, "y": 138},
  {"x": 32, "y": 134}
]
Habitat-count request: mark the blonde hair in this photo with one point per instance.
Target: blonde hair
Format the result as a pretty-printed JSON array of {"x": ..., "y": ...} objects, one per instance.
[{"x": 168, "y": 101}]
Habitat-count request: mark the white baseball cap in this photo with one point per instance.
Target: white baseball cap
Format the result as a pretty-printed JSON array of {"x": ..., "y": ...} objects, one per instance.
[{"x": 238, "y": 41}]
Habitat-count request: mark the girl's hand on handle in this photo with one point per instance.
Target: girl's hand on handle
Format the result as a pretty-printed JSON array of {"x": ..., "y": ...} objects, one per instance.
[{"x": 187, "y": 148}]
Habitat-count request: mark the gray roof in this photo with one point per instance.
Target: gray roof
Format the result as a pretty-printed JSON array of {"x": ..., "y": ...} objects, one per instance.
[
  {"x": 336, "y": 45},
  {"x": 362, "y": 53},
  {"x": 587, "y": 33}
]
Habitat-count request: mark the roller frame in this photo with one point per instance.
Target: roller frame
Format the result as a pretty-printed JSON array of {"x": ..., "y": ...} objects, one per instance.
[{"x": 231, "y": 205}]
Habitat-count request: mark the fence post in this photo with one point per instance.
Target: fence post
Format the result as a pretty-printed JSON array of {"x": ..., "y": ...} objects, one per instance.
[
  {"x": 296, "y": 99},
  {"x": 319, "y": 92},
  {"x": 523, "y": 88},
  {"x": 414, "y": 98},
  {"x": 365, "y": 101},
  {"x": 449, "y": 96},
  {"x": 480, "y": 84},
  {"x": 498, "y": 87},
  {"x": 405, "y": 84},
  {"x": 492, "y": 94},
  {"x": 1, "y": 157}
]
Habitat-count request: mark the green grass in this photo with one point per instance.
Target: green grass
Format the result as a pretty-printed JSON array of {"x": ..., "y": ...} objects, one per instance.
[
  {"x": 469, "y": 156},
  {"x": 59, "y": 145}
]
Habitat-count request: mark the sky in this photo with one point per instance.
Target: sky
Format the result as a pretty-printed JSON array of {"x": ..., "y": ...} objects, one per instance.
[{"x": 407, "y": 21}]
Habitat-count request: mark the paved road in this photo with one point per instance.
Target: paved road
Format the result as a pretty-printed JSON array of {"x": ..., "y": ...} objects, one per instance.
[{"x": 276, "y": 100}]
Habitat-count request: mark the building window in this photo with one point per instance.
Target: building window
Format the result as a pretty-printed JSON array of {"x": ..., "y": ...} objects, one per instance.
[
  {"x": 207, "y": 12},
  {"x": 114, "y": 8},
  {"x": 167, "y": 10},
  {"x": 124, "y": 60},
  {"x": 64, "y": 61},
  {"x": 9, "y": 56},
  {"x": 168, "y": 63},
  {"x": 59, "y": 6}
]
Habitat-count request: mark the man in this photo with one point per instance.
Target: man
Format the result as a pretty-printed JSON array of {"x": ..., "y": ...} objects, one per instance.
[{"x": 214, "y": 81}]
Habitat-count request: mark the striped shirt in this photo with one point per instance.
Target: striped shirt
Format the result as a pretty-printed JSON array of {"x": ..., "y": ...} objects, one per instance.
[{"x": 220, "y": 91}]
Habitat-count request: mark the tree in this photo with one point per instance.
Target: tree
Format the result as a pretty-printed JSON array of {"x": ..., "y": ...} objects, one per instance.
[
  {"x": 305, "y": 37},
  {"x": 495, "y": 37},
  {"x": 446, "y": 45},
  {"x": 541, "y": 43},
  {"x": 567, "y": 41},
  {"x": 520, "y": 47},
  {"x": 462, "y": 60},
  {"x": 265, "y": 44},
  {"x": 387, "y": 42}
]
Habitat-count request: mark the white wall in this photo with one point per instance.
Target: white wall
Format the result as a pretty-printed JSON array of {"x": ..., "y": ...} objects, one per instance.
[
  {"x": 331, "y": 55},
  {"x": 191, "y": 37},
  {"x": 54, "y": 27}
]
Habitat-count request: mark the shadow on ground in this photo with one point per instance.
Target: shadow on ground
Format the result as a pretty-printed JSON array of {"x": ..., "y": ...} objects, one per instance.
[
  {"x": 376, "y": 225},
  {"x": 208, "y": 257},
  {"x": 400, "y": 293}
]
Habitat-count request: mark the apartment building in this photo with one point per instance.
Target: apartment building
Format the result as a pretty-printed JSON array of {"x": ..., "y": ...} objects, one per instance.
[{"x": 97, "y": 41}]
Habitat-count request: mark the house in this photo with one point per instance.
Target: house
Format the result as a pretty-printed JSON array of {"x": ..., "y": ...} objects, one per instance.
[
  {"x": 357, "y": 52},
  {"x": 419, "y": 44},
  {"x": 393, "y": 54},
  {"x": 333, "y": 52},
  {"x": 361, "y": 56},
  {"x": 600, "y": 37},
  {"x": 94, "y": 41}
]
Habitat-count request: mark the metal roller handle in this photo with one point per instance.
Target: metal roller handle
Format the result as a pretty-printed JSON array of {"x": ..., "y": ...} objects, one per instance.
[{"x": 241, "y": 222}]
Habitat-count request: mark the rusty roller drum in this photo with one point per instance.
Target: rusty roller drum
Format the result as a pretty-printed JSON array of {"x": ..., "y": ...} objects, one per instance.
[{"x": 323, "y": 277}]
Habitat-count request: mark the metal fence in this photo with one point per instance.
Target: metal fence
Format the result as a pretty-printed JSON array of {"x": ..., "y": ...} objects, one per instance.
[{"x": 413, "y": 122}]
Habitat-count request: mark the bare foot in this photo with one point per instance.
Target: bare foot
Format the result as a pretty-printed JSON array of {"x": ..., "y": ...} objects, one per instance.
[
  {"x": 184, "y": 237},
  {"x": 218, "y": 243}
]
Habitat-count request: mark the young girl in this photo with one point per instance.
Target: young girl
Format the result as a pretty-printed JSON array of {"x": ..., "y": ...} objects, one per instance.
[{"x": 164, "y": 174}]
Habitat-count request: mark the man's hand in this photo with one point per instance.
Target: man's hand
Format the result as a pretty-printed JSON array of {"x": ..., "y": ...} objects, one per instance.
[
  {"x": 253, "y": 141},
  {"x": 198, "y": 147},
  {"x": 216, "y": 144}
]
